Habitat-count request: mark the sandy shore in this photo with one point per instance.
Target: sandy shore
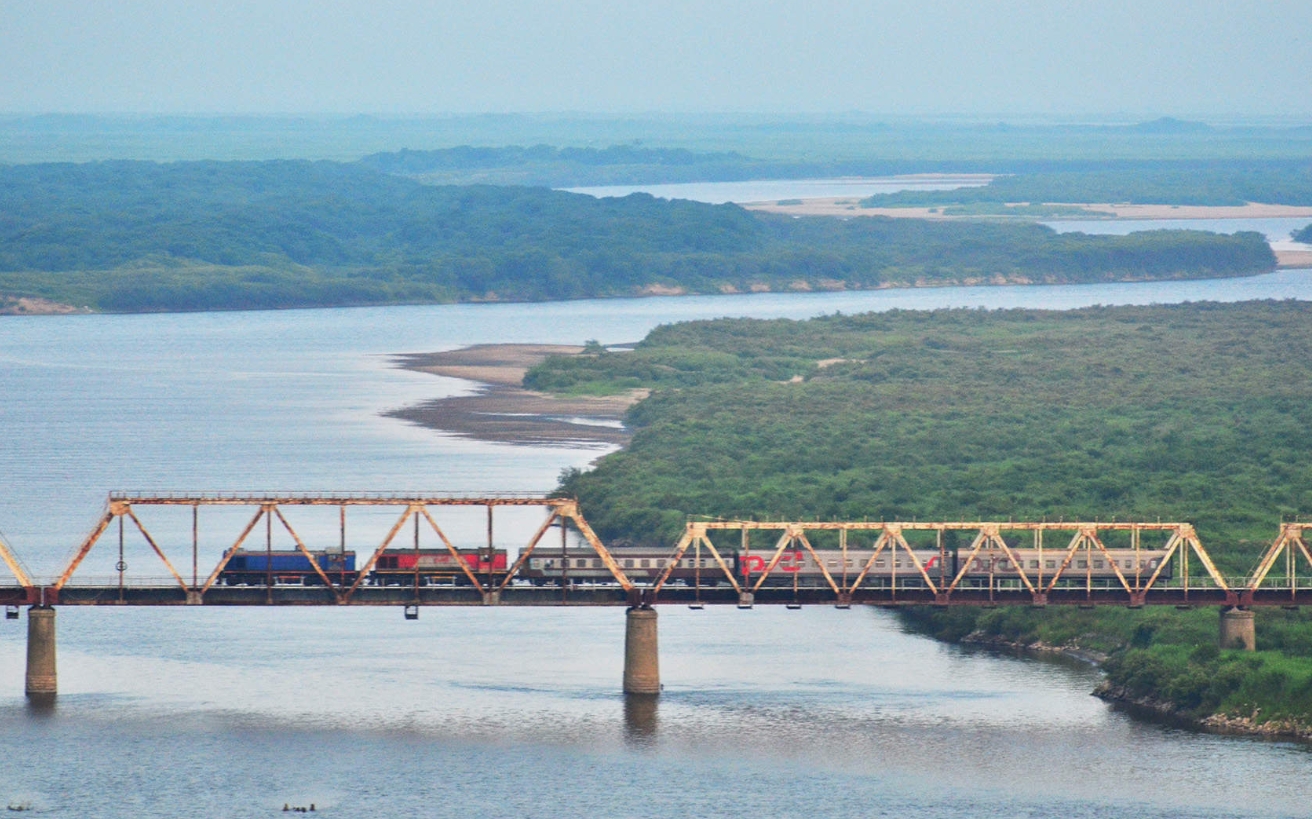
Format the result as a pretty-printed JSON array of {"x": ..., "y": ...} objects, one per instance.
[
  {"x": 503, "y": 411},
  {"x": 25, "y": 306},
  {"x": 1294, "y": 258},
  {"x": 851, "y": 206}
]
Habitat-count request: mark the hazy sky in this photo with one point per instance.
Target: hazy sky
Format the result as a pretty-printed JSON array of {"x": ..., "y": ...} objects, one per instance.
[{"x": 916, "y": 57}]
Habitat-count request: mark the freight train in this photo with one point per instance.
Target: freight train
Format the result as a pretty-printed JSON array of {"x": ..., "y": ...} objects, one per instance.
[{"x": 795, "y": 567}]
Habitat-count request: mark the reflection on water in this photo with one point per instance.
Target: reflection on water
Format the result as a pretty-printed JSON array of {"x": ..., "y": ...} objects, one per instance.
[
  {"x": 640, "y": 712},
  {"x": 469, "y": 711}
]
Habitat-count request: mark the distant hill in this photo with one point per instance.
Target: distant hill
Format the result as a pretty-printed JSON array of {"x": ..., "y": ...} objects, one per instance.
[
  {"x": 222, "y": 235},
  {"x": 1169, "y": 125}
]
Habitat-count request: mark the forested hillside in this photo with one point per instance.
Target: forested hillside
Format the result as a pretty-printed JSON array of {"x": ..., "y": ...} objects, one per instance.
[
  {"x": 1189, "y": 412},
  {"x": 209, "y": 235},
  {"x": 1195, "y": 412}
]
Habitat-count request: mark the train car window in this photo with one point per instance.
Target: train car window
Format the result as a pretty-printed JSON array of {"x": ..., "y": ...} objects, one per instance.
[
  {"x": 833, "y": 564},
  {"x": 879, "y": 564},
  {"x": 646, "y": 564},
  {"x": 1083, "y": 564},
  {"x": 628, "y": 564},
  {"x": 1097, "y": 564},
  {"x": 1050, "y": 564},
  {"x": 1034, "y": 564},
  {"x": 548, "y": 563},
  {"x": 1004, "y": 564}
]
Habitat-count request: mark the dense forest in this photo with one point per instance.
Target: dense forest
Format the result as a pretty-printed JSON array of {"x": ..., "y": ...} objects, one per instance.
[
  {"x": 207, "y": 235},
  {"x": 549, "y": 166},
  {"x": 1195, "y": 412},
  {"x": 1283, "y": 182},
  {"x": 1304, "y": 235}
]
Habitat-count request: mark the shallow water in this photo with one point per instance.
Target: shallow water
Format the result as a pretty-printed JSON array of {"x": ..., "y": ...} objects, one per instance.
[{"x": 504, "y": 711}]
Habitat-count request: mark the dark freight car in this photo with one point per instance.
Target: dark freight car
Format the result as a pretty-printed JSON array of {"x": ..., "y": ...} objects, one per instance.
[{"x": 256, "y": 568}]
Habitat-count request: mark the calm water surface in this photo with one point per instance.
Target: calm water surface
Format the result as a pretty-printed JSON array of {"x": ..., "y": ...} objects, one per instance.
[{"x": 504, "y": 712}]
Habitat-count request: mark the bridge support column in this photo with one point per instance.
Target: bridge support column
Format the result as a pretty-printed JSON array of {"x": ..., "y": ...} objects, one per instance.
[
  {"x": 642, "y": 673},
  {"x": 41, "y": 677},
  {"x": 1237, "y": 630}
]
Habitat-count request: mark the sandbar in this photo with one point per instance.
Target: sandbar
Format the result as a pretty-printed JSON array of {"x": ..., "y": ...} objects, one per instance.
[
  {"x": 502, "y": 411},
  {"x": 851, "y": 206}
]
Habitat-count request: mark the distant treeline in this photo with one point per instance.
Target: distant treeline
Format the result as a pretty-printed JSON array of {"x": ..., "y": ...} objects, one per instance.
[
  {"x": 1281, "y": 182},
  {"x": 212, "y": 235},
  {"x": 572, "y": 167},
  {"x": 1304, "y": 235}
]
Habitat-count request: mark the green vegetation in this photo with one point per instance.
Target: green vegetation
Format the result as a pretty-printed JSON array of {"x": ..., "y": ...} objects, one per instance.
[
  {"x": 1159, "y": 183},
  {"x": 571, "y": 167},
  {"x": 1304, "y": 235},
  {"x": 1162, "y": 655},
  {"x": 1194, "y": 412},
  {"x": 208, "y": 235}
]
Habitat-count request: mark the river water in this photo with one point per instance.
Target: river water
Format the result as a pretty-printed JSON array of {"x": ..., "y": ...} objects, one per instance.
[{"x": 506, "y": 712}]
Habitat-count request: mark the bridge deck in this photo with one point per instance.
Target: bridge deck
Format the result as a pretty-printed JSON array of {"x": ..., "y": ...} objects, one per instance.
[{"x": 616, "y": 596}]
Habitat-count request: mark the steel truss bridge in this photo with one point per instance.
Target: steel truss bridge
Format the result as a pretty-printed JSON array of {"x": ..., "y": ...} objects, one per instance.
[{"x": 1184, "y": 575}]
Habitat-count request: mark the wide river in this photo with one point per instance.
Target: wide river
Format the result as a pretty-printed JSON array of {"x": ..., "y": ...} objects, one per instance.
[{"x": 506, "y": 712}]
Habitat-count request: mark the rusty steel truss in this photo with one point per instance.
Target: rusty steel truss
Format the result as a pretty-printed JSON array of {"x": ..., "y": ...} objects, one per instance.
[
  {"x": 1275, "y": 581},
  {"x": 561, "y": 512},
  {"x": 945, "y": 587}
]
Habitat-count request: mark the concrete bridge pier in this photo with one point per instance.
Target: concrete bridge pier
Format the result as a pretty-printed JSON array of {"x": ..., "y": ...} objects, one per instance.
[
  {"x": 1237, "y": 630},
  {"x": 642, "y": 673},
  {"x": 41, "y": 676}
]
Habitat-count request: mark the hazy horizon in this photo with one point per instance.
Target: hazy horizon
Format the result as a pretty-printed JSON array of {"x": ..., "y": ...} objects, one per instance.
[{"x": 1215, "y": 61}]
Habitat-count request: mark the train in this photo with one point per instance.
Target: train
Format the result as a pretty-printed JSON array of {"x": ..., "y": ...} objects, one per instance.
[
  {"x": 399, "y": 567},
  {"x": 799, "y": 567},
  {"x": 795, "y": 567}
]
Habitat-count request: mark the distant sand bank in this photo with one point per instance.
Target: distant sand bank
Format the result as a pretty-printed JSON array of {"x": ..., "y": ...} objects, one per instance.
[
  {"x": 503, "y": 411},
  {"x": 851, "y": 206}
]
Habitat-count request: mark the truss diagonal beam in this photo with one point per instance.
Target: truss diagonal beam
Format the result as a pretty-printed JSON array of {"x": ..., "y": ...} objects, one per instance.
[
  {"x": 569, "y": 509},
  {"x": 528, "y": 550},
  {"x": 382, "y": 547},
  {"x": 228, "y": 553},
  {"x": 15, "y": 567},
  {"x": 85, "y": 548},
  {"x": 455, "y": 553},
  {"x": 314, "y": 561},
  {"x": 158, "y": 551},
  {"x": 785, "y": 540}
]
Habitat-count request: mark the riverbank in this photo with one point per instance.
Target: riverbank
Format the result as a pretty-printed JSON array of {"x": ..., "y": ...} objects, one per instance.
[
  {"x": 500, "y": 410},
  {"x": 1160, "y": 665},
  {"x": 851, "y": 206}
]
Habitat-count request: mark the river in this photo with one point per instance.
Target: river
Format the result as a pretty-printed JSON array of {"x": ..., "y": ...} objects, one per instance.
[{"x": 508, "y": 712}]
